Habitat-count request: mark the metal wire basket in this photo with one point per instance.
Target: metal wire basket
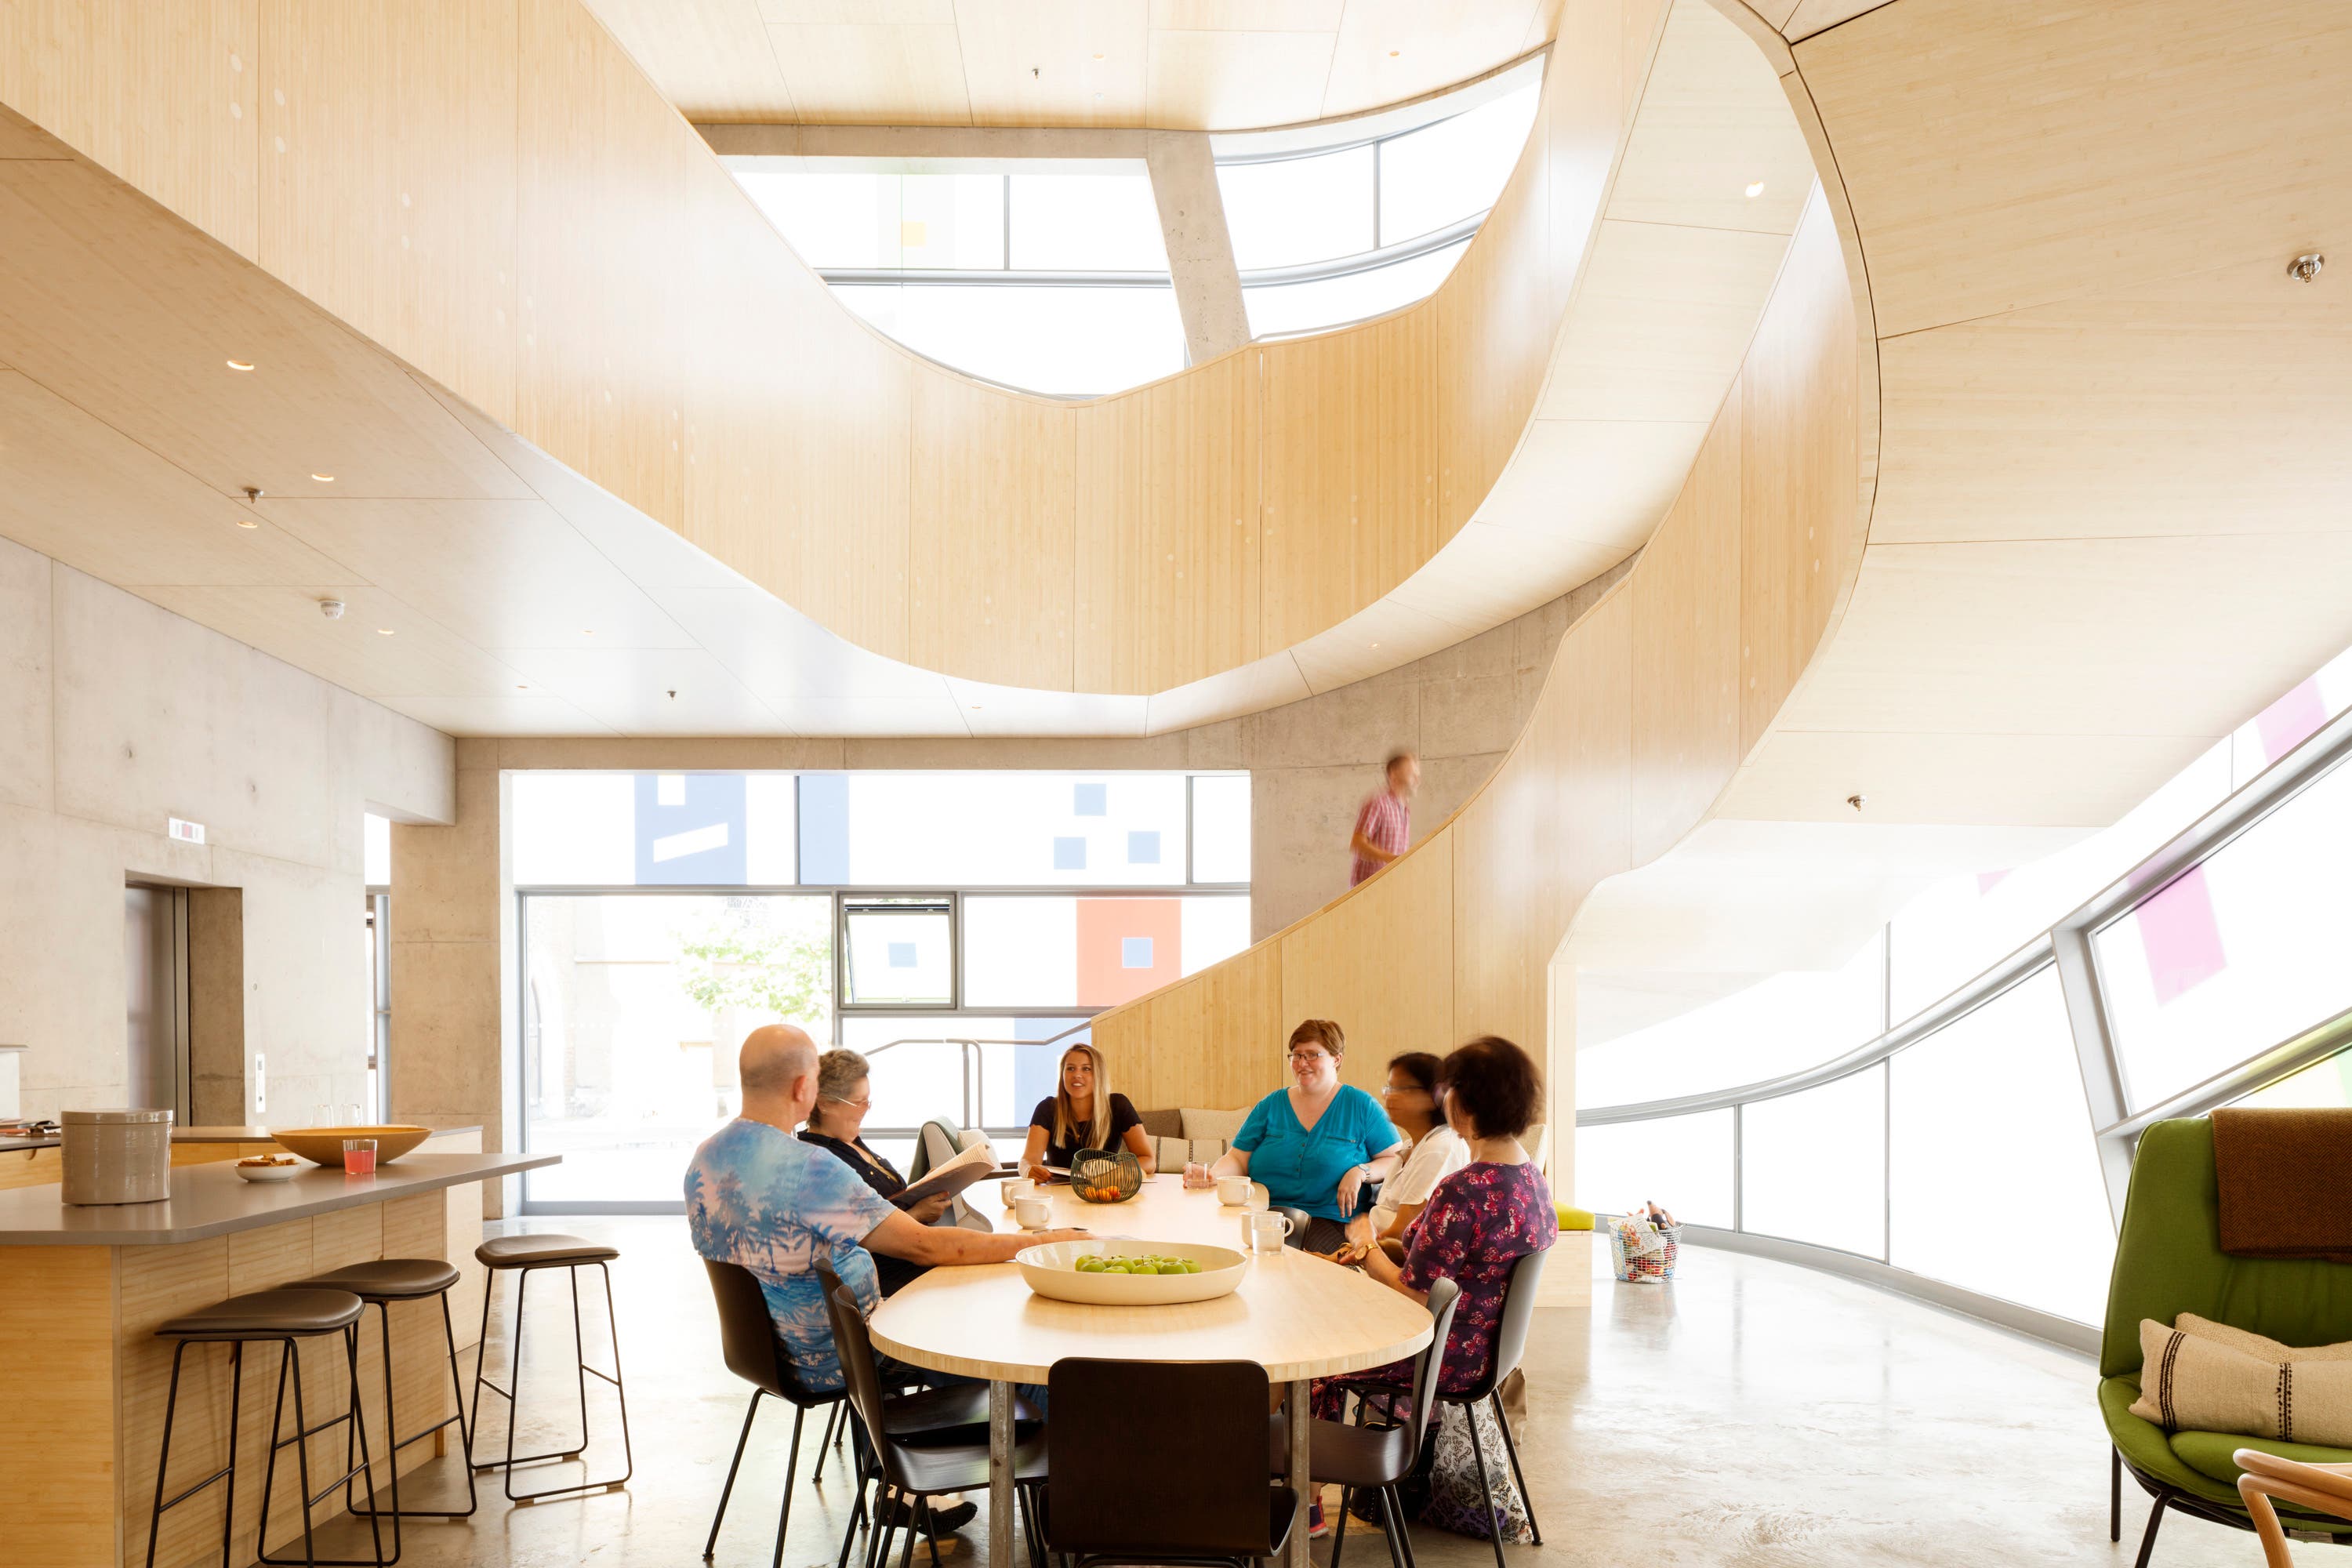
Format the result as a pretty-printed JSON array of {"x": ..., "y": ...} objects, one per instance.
[{"x": 1105, "y": 1175}]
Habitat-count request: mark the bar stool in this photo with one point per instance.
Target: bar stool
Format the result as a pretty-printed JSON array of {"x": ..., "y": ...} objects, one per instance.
[
  {"x": 379, "y": 1283},
  {"x": 284, "y": 1317},
  {"x": 525, "y": 1255}
]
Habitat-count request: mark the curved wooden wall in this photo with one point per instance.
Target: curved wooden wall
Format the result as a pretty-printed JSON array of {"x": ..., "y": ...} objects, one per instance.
[
  {"x": 493, "y": 190},
  {"x": 1653, "y": 700}
]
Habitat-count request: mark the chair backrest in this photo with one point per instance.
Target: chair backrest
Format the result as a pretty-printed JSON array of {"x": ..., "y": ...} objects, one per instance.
[
  {"x": 860, "y": 1379},
  {"x": 1299, "y": 1220},
  {"x": 1430, "y": 1366},
  {"x": 1156, "y": 1459},
  {"x": 2169, "y": 1259},
  {"x": 1518, "y": 1314},
  {"x": 746, "y": 1334}
]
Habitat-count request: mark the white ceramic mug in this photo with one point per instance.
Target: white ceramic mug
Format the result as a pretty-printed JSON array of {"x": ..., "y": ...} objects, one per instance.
[
  {"x": 1233, "y": 1190},
  {"x": 1263, "y": 1230},
  {"x": 1031, "y": 1211},
  {"x": 1014, "y": 1190}
]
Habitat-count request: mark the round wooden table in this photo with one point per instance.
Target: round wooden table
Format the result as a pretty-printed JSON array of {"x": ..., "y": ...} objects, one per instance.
[{"x": 1297, "y": 1316}]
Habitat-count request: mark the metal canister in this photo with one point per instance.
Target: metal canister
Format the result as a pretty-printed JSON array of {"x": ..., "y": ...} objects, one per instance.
[{"x": 116, "y": 1156}]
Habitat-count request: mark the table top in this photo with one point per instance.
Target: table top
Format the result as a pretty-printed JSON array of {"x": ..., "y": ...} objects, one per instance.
[
  {"x": 1296, "y": 1315},
  {"x": 213, "y": 1200},
  {"x": 257, "y": 1134}
]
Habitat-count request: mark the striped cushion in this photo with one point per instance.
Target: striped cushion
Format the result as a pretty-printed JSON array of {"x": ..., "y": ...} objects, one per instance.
[{"x": 2193, "y": 1382}]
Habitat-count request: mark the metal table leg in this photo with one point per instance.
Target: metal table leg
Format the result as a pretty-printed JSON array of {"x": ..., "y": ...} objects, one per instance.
[
  {"x": 1298, "y": 1553},
  {"x": 1000, "y": 1474}
]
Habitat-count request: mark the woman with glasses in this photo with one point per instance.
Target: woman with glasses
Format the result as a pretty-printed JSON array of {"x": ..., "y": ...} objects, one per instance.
[
  {"x": 1316, "y": 1146},
  {"x": 844, "y": 1095},
  {"x": 1083, "y": 1115},
  {"x": 1411, "y": 1098}
]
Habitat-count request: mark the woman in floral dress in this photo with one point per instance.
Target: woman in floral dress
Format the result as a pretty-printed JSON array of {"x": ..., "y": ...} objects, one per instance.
[{"x": 1478, "y": 1224}]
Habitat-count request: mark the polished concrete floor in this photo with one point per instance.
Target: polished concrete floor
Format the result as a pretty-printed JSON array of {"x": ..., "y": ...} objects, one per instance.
[{"x": 1752, "y": 1414}]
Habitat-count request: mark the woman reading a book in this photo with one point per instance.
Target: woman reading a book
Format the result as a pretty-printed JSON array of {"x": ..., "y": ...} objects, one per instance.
[{"x": 843, "y": 1095}]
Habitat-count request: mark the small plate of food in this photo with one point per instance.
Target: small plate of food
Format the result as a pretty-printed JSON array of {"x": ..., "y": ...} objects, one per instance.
[{"x": 269, "y": 1168}]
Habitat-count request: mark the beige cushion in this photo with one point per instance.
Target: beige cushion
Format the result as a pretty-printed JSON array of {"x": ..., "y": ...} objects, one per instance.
[
  {"x": 1174, "y": 1154},
  {"x": 1217, "y": 1125},
  {"x": 2247, "y": 1343},
  {"x": 2192, "y": 1382}
]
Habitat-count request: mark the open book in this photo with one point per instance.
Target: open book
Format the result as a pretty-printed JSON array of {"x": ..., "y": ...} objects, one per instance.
[{"x": 975, "y": 1164}]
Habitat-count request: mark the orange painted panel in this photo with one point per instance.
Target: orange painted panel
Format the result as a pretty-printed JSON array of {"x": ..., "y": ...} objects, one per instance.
[{"x": 1127, "y": 947}]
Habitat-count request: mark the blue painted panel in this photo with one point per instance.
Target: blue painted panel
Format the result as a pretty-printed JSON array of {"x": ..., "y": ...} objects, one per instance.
[
  {"x": 1143, "y": 849},
  {"x": 1135, "y": 953},
  {"x": 1089, "y": 800},
  {"x": 824, "y": 829},
  {"x": 696, "y": 836},
  {"x": 1069, "y": 853}
]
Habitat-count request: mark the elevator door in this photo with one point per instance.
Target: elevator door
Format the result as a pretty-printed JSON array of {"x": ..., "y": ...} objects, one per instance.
[{"x": 155, "y": 990}]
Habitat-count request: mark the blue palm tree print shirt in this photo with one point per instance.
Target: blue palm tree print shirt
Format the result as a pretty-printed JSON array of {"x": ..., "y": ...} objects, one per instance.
[{"x": 757, "y": 1196}]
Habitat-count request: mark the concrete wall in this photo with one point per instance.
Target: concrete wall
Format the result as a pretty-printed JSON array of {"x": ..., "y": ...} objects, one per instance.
[{"x": 116, "y": 715}]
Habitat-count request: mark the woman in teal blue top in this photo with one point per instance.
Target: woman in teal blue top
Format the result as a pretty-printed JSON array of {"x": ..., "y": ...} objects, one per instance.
[{"x": 1316, "y": 1146}]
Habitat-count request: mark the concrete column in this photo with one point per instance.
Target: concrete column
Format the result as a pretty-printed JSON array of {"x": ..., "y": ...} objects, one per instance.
[
  {"x": 1199, "y": 250},
  {"x": 451, "y": 910}
]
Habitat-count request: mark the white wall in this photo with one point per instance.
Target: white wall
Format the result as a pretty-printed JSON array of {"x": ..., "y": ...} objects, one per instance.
[{"x": 116, "y": 715}]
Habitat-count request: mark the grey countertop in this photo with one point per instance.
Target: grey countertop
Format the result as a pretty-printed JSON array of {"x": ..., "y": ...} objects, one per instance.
[
  {"x": 199, "y": 1135},
  {"x": 212, "y": 1200}
]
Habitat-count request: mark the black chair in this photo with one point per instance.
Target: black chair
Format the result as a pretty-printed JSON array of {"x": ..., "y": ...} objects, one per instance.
[
  {"x": 916, "y": 1471},
  {"x": 284, "y": 1318},
  {"x": 746, "y": 1338},
  {"x": 1193, "y": 1490},
  {"x": 1375, "y": 1458},
  {"x": 1510, "y": 1345},
  {"x": 523, "y": 1255},
  {"x": 1299, "y": 1220}
]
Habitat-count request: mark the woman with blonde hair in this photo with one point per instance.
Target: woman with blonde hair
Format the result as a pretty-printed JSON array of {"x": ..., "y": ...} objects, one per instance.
[{"x": 1082, "y": 1113}]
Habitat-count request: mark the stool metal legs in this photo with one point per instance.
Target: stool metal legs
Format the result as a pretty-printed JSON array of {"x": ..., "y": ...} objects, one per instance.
[
  {"x": 164, "y": 1460},
  {"x": 514, "y": 1378},
  {"x": 289, "y": 1365},
  {"x": 392, "y": 1435}
]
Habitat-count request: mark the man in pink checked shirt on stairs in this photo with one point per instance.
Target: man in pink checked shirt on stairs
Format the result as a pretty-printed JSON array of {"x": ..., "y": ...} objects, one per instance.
[{"x": 1384, "y": 825}]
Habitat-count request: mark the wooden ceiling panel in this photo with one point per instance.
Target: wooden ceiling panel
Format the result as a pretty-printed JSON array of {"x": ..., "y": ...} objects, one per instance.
[
  {"x": 2180, "y": 390},
  {"x": 1391, "y": 50},
  {"x": 82, "y": 491},
  {"x": 1811, "y": 17},
  {"x": 503, "y": 574},
  {"x": 1203, "y": 80},
  {"x": 901, "y": 73},
  {"x": 2022, "y": 636},
  {"x": 1054, "y": 63},
  {"x": 1964, "y": 130},
  {"x": 714, "y": 54},
  {"x": 1709, "y": 85},
  {"x": 86, "y": 274}
]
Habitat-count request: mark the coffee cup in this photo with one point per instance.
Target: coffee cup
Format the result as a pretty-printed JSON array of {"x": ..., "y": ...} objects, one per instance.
[
  {"x": 1263, "y": 1230},
  {"x": 1233, "y": 1190},
  {"x": 1031, "y": 1211},
  {"x": 1018, "y": 1188}
]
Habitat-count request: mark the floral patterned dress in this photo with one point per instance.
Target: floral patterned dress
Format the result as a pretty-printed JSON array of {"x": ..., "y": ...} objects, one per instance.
[{"x": 1479, "y": 1222}]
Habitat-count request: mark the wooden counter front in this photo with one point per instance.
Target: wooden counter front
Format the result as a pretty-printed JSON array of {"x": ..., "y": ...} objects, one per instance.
[{"x": 88, "y": 1377}]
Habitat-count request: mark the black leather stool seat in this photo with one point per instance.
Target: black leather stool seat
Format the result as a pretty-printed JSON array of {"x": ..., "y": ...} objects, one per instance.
[
  {"x": 296, "y": 1312},
  {"x": 387, "y": 1279},
  {"x": 542, "y": 1251}
]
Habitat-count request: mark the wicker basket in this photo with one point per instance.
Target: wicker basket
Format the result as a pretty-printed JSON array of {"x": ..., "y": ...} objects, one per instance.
[{"x": 1105, "y": 1175}]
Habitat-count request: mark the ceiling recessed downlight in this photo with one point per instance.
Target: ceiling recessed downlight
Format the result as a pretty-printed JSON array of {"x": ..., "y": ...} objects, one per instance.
[
  {"x": 324, "y": 479},
  {"x": 1755, "y": 189},
  {"x": 246, "y": 522},
  {"x": 383, "y": 631},
  {"x": 240, "y": 364}
]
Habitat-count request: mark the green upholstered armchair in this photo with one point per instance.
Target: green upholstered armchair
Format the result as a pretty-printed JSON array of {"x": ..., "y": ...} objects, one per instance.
[{"x": 2169, "y": 1260}]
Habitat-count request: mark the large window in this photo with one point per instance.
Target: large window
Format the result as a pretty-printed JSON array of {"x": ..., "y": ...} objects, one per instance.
[
  {"x": 937, "y": 921},
  {"x": 2036, "y": 1017},
  {"x": 1055, "y": 279}
]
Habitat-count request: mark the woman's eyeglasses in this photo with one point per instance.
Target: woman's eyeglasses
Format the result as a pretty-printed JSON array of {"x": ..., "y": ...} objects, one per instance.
[
  {"x": 1311, "y": 1056},
  {"x": 866, "y": 1104}
]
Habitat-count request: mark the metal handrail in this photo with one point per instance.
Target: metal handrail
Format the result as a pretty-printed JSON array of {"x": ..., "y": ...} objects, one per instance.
[{"x": 975, "y": 1064}]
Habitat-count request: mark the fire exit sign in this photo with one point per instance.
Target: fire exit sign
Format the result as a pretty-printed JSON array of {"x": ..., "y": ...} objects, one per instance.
[{"x": 187, "y": 832}]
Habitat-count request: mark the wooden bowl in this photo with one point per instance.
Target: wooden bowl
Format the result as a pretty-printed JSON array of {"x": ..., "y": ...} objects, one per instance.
[
  {"x": 1051, "y": 1271},
  {"x": 324, "y": 1145}
]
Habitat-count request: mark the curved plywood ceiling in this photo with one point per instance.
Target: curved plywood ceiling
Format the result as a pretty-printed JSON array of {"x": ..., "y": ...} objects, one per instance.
[
  {"x": 2060, "y": 537},
  {"x": 1195, "y": 65},
  {"x": 1281, "y": 520}
]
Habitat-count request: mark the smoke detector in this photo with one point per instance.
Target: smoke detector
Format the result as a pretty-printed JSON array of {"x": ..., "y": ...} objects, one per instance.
[
  {"x": 2305, "y": 269},
  {"x": 332, "y": 608}
]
